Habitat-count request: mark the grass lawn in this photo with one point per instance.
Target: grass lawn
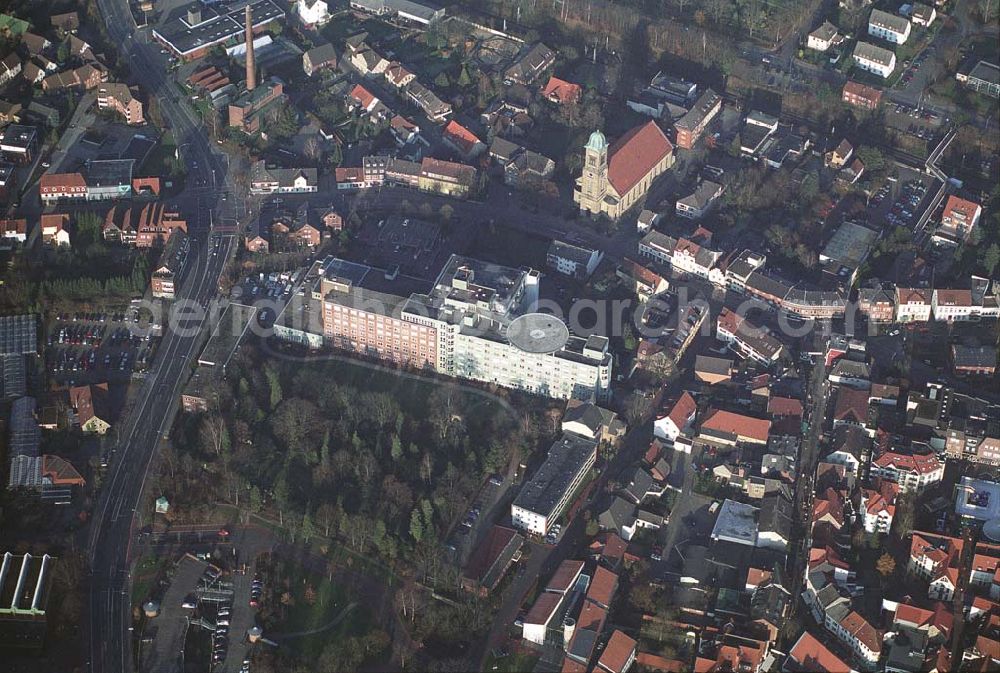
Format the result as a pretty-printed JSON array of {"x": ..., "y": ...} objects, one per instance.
[
  {"x": 144, "y": 578},
  {"x": 513, "y": 663},
  {"x": 328, "y": 601}
]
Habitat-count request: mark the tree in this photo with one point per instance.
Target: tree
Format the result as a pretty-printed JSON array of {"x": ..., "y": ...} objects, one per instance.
[
  {"x": 307, "y": 529},
  {"x": 991, "y": 258},
  {"x": 442, "y": 80},
  {"x": 886, "y": 565},
  {"x": 416, "y": 526}
]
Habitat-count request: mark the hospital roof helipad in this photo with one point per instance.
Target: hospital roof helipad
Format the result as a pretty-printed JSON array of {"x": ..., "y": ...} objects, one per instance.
[{"x": 538, "y": 333}]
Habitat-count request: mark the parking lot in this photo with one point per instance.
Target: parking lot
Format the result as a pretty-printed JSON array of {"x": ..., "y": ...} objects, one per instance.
[
  {"x": 91, "y": 347},
  {"x": 906, "y": 208}
]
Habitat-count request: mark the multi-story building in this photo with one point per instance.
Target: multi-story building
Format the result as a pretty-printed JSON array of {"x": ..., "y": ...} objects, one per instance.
[
  {"x": 983, "y": 78},
  {"x": 693, "y": 124},
  {"x": 247, "y": 111},
  {"x": 572, "y": 260},
  {"x": 617, "y": 177},
  {"x": 889, "y": 27},
  {"x": 164, "y": 280},
  {"x": 874, "y": 59},
  {"x": 543, "y": 499},
  {"x": 264, "y": 180},
  {"x": 475, "y": 323},
  {"x": 824, "y": 37},
  {"x": 860, "y": 636},
  {"x": 913, "y": 304},
  {"x": 192, "y": 33},
  {"x": 370, "y": 323},
  {"x": 19, "y": 143},
  {"x": 746, "y": 339},
  {"x": 861, "y": 95},
  {"x": 953, "y": 305},
  {"x": 913, "y": 472},
  {"x": 877, "y": 304},
  {"x": 958, "y": 220},
  {"x": 697, "y": 204},
  {"x": 936, "y": 559},
  {"x": 118, "y": 97}
]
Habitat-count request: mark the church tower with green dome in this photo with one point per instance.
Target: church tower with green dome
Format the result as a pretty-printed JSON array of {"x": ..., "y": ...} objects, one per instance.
[{"x": 592, "y": 185}]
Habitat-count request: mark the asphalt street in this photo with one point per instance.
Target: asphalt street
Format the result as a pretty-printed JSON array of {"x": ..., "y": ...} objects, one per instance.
[{"x": 203, "y": 203}]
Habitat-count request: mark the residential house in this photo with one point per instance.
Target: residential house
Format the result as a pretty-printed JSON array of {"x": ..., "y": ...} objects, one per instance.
[
  {"x": 528, "y": 169},
  {"x": 18, "y": 143},
  {"x": 958, "y": 220},
  {"x": 730, "y": 428},
  {"x": 936, "y": 559},
  {"x": 874, "y": 59},
  {"x": 34, "y": 44},
  {"x": 14, "y": 230},
  {"x": 462, "y": 140},
  {"x": 809, "y": 655},
  {"x": 89, "y": 76},
  {"x": 593, "y": 422},
  {"x": 90, "y": 407},
  {"x": 644, "y": 282},
  {"x": 824, "y": 37},
  {"x": 913, "y": 472},
  {"x": 877, "y": 304},
  {"x": 398, "y": 76},
  {"x": 922, "y": 15},
  {"x": 264, "y": 180},
  {"x": 530, "y": 64},
  {"x": 861, "y": 95},
  {"x": 561, "y": 92},
  {"x": 712, "y": 370},
  {"x": 678, "y": 419},
  {"x": 840, "y": 155},
  {"x": 432, "y": 106},
  {"x": 690, "y": 127},
  {"x": 572, "y": 260},
  {"x": 697, "y": 204},
  {"x": 953, "y": 305},
  {"x": 312, "y": 13},
  {"x": 889, "y": 27},
  {"x": 878, "y": 507},
  {"x": 65, "y": 23},
  {"x": 10, "y": 67},
  {"x": 55, "y": 229},
  {"x": 369, "y": 63},
  {"x": 913, "y": 304},
  {"x": 366, "y": 102},
  {"x": 163, "y": 283},
  {"x": 321, "y": 57},
  {"x": 119, "y": 98}
]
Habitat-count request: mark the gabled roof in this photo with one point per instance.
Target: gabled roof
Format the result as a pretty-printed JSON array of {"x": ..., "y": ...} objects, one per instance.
[
  {"x": 635, "y": 154},
  {"x": 809, "y": 655},
  {"x": 561, "y": 90},
  {"x": 914, "y": 463},
  {"x": 602, "y": 588},
  {"x": 858, "y": 626},
  {"x": 683, "y": 409},
  {"x": 617, "y": 652},
  {"x": 728, "y": 422},
  {"x": 852, "y": 405},
  {"x": 784, "y": 406},
  {"x": 460, "y": 136},
  {"x": 565, "y": 576}
]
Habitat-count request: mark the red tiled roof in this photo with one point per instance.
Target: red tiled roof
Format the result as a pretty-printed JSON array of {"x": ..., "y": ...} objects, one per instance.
[
  {"x": 954, "y": 297},
  {"x": 364, "y": 97},
  {"x": 737, "y": 424},
  {"x": 617, "y": 652},
  {"x": 859, "y": 627},
  {"x": 572, "y": 666},
  {"x": 915, "y": 295},
  {"x": 634, "y": 154},
  {"x": 51, "y": 182},
  {"x": 852, "y": 405},
  {"x": 784, "y": 406},
  {"x": 349, "y": 174},
  {"x": 683, "y": 409},
  {"x": 757, "y": 576},
  {"x": 603, "y": 585},
  {"x": 488, "y": 551},
  {"x": 56, "y": 221},
  {"x": 614, "y": 547},
  {"x": 917, "y": 463},
  {"x": 862, "y": 91},
  {"x": 543, "y": 609},
  {"x": 911, "y": 614},
  {"x": 565, "y": 575},
  {"x": 958, "y": 206},
  {"x": 561, "y": 90},
  {"x": 811, "y": 655},
  {"x": 18, "y": 226},
  {"x": 655, "y": 662},
  {"x": 60, "y": 471},
  {"x": 465, "y": 139}
]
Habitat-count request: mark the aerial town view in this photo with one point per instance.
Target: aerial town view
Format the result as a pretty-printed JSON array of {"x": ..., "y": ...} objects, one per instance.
[{"x": 650, "y": 336}]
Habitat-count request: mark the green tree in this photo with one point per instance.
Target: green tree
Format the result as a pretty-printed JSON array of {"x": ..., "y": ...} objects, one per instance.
[
  {"x": 416, "y": 525},
  {"x": 991, "y": 257}
]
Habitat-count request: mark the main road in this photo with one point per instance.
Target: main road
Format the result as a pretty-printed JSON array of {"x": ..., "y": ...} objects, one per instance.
[{"x": 209, "y": 203}]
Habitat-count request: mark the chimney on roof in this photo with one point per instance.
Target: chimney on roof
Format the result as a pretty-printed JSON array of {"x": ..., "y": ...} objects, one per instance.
[{"x": 251, "y": 66}]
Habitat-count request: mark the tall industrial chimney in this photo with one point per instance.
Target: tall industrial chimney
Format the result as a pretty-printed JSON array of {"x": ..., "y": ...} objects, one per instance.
[{"x": 251, "y": 66}]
